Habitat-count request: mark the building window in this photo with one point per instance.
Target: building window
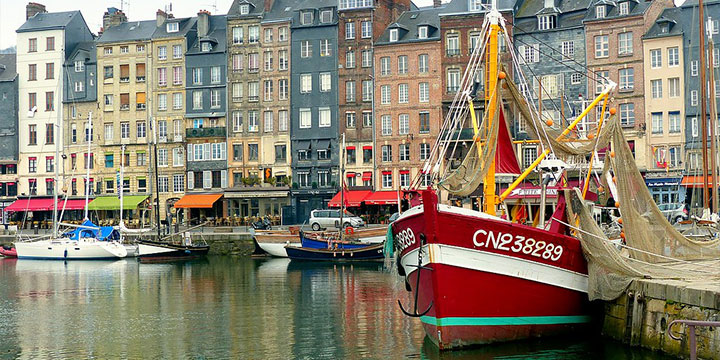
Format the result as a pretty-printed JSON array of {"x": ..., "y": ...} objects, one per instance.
[
  {"x": 350, "y": 91},
  {"x": 422, "y": 32},
  {"x": 325, "y": 82},
  {"x": 197, "y": 100},
  {"x": 268, "y": 35},
  {"x": 624, "y": 8},
  {"x": 655, "y": 58},
  {"x": 404, "y": 124},
  {"x": 385, "y": 65},
  {"x": 386, "y": 123},
  {"x": 674, "y": 87},
  {"x": 423, "y": 63},
  {"x": 627, "y": 114},
  {"x": 50, "y": 101},
  {"x": 306, "y": 18},
  {"x": 424, "y": 122},
  {"x": 32, "y": 165},
  {"x": 601, "y": 80},
  {"x": 367, "y": 58},
  {"x": 268, "y": 121},
  {"x": 253, "y": 91},
  {"x": 576, "y": 78},
  {"x": 283, "y": 120},
  {"x": 367, "y": 119},
  {"x": 402, "y": 64},
  {"x": 387, "y": 180},
  {"x": 657, "y": 122},
  {"x": 79, "y": 66},
  {"x": 283, "y": 89},
  {"x": 268, "y": 58},
  {"x": 568, "y": 50},
  {"x": 403, "y": 94},
  {"x": 673, "y": 56},
  {"x": 367, "y": 90},
  {"x": 453, "y": 80},
  {"x": 325, "y": 49},
  {"x": 32, "y": 45},
  {"x": 424, "y": 92},
  {"x": 349, "y": 30},
  {"x": 385, "y": 95},
  {"x": 350, "y": 120},
  {"x": 162, "y": 77},
  {"x": 109, "y": 160},
  {"x": 693, "y": 97},
  {"x": 162, "y": 52},
  {"x": 253, "y": 120},
  {"x": 305, "y": 49},
  {"x": 452, "y": 45},
  {"x": 600, "y": 11},
  {"x": 386, "y": 153},
  {"x": 366, "y": 29},
  {"x": 305, "y": 118},
  {"x": 177, "y": 51},
  {"x": 546, "y": 22},
  {"x": 393, "y": 35},
  {"x": 656, "y": 86},
  {"x": 627, "y": 78},
  {"x": 324, "y": 116},
  {"x": 172, "y": 27},
  {"x": 282, "y": 60},
  {"x": 625, "y": 43},
  {"x": 404, "y": 152},
  {"x": 694, "y": 127},
  {"x": 424, "y": 151},
  {"x": 602, "y": 47},
  {"x": 49, "y": 71},
  {"x": 237, "y": 120},
  {"x": 674, "y": 121},
  {"x": 305, "y": 83},
  {"x": 237, "y": 34}
]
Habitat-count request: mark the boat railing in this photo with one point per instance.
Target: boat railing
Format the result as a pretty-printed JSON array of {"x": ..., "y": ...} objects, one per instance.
[
  {"x": 691, "y": 324},
  {"x": 30, "y": 238}
]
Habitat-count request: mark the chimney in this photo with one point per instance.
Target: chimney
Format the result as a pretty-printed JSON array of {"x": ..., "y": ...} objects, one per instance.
[
  {"x": 437, "y": 3},
  {"x": 268, "y": 5},
  {"x": 113, "y": 17},
  {"x": 203, "y": 23},
  {"x": 161, "y": 16},
  {"x": 33, "y": 8}
]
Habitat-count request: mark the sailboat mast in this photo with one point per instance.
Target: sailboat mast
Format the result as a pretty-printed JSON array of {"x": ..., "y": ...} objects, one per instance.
[
  {"x": 58, "y": 138},
  {"x": 703, "y": 109},
  {"x": 491, "y": 103},
  {"x": 157, "y": 181},
  {"x": 713, "y": 116},
  {"x": 342, "y": 185},
  {"x": 122, "y": 180},
  {"x": 88, "y": 139}
]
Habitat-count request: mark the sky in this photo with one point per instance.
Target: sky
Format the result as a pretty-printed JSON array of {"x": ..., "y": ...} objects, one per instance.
[{"x": 12, "y": 12}]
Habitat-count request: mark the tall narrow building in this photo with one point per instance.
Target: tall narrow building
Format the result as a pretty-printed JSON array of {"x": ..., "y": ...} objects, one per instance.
[
  {"x": 314, "y": 106},
  {"x": 44, "y": 42},
  {"x": 8, "y": 132}
]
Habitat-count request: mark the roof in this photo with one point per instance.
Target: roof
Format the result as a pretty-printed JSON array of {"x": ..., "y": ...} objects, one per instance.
[
  {"x": 636, "y": 8},
  {"x": 8, "y": 70},
  {"x": 48, "y": 21},
  {"x": 256, "y": 8},
  {"x": 411, "y": 21},
  {"x": 129, "y": 31},
  {"x": 673, "y": 16},
  {"x": 216, "y": 34},
  {"x": 570, "y": 13},
  {"x": 185, "y": 24},
  {"x": 316, "y": 6},
  {"x": 455, "y": 7},
  {"x": 282, "y": 10},
  {"x": 85, "y": 50}
]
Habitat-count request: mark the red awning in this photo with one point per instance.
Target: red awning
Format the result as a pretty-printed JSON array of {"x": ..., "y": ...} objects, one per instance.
[
  {"x": 44, "y": 205},
  {"x": 367, "y": 176},
  {"x": 366, "y": 147},
  {"x": 352, "y": 198},
  {"x": 404, "y": 171},
  {"x": 350, "y": 147},
  {"x": 382, "y": 198},
  {"x": 350, "y": 174},
  {"x": 695, "y": 181}
]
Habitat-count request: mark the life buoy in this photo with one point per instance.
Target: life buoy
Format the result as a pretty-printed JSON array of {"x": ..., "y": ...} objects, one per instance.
[{"x": 349, "y": 230}]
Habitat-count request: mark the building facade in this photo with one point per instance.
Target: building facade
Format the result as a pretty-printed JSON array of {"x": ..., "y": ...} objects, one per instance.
[
  {"x": 664, "y": 69},
  {"x": 43, "y": 43},
  {"x": 408, "y": 101},
  {"x": 613, "y": 34},
  {"x": 314, "y": 106},
  {"x": 8, "y": 132}
]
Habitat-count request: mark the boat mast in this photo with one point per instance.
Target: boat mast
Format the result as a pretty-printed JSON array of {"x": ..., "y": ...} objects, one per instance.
[
  {"x": 703, "y": 109},
  {"x": 491, "y": 103},
  {"x": 713, "y": 116},
  {"x": 121, "y": 181},
  {"x": 342, "y": 186},
  {"x": 157, "y": 180},
  {"x": 58, "y": 138},
  {"x": 88, "y": 139}
]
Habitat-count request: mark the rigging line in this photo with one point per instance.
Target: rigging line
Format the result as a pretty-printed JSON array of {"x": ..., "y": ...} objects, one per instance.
[{"x": 585, "y": 67}]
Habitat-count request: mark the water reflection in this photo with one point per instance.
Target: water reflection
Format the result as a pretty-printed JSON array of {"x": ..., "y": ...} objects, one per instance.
[{"x": 222, "y": 307}]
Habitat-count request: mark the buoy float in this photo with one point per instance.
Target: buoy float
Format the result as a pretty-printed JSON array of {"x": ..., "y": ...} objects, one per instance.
[
  {"x": 349, "y": 231},
  {"x": 622, "y": 234},
  {"x": 614, "y": 179},
  {"x": 612, "y": 154},
  {"x": 617, "y": 204},
  {"x": 549, "y": 122},
  {"x": 501, "y": 75},
  {"x": 613, "y": 111},
  {"x": 591, "y": 136},
  {"x": 619, "y": 220}
]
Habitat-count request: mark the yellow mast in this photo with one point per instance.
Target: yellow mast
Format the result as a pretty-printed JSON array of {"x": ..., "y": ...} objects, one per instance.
[{"x": 491, "y": 103}]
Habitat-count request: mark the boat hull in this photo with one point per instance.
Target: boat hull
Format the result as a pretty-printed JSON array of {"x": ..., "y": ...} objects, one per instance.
[
  {"x": 159, "y": 251},
  {"x": 276, "y": 249},
  {"x": 368, "y": 253},
  {"x": 274, "y": 243},
  {"x": 63, "y": 249},
  {"x": 8, "y": 252},
  {"x": 477, "y": 288}
]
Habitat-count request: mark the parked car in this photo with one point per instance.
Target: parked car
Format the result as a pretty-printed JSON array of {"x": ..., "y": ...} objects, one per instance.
[
  {"x": 323, "y": 219},
  {"x": 674, "y": 212}
]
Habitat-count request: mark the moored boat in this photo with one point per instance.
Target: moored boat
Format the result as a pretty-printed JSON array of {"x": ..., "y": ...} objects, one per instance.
[
  {"x": 367, "y": 253},
  {"x": 8, "y": 251},
  {"x": 274, "y": 242}
]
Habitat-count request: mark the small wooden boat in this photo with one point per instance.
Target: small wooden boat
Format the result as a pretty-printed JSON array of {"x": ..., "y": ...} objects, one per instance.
[
  {"x": 7, "y": 251},
  {"x": 367, "y": 253},
  {"x": 274, "y": 242}
]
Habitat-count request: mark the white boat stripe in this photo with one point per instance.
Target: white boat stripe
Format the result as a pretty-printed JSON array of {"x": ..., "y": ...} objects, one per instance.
[{"x": 497, "y": 264}]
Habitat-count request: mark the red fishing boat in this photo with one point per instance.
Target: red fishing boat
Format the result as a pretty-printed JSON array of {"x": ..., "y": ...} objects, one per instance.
[{"x": 475, "y": 277}]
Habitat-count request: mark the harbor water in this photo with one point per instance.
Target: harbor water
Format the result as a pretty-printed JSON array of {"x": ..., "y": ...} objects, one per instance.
[{"x": 232, "y": 307}]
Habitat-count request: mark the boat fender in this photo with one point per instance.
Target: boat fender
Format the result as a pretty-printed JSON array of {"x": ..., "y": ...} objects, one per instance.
[{"x": 65, "y": 253}]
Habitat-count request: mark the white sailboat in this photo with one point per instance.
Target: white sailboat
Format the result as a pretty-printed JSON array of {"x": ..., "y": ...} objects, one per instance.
[{"x": 86, "y": 242}]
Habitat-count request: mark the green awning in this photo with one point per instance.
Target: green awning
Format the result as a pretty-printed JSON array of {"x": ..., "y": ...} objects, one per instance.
[{"x": 130, "y": 202}]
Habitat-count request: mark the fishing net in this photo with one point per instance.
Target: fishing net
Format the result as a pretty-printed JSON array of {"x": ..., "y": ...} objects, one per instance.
[
  {"x": 654, "y": 249},
  {"x": 464, "y": 180}
]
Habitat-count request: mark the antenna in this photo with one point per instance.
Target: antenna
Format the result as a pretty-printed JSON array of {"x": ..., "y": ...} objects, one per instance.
[
  {"x": 123, "y": 3},
  {"x": 168, "y": 8},
  {"x": 213, "y": 6}
]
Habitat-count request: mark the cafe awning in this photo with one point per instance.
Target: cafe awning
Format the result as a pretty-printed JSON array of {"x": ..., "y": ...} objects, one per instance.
[
  {"x": 197, "y": 201},
  {"x": 382, "y": 198},
  {"x": 130, "y": 202},
  {"x": 352, "y": 198},
  {"x": 695, "y": 181},
  {"x": 45, "y": 205}
]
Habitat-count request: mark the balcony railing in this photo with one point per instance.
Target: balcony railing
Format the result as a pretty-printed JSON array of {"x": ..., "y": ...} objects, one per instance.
[
  {"x": 452, "y": 52},
  {"x": 124, "y": 106},
  {"x": 140, "y": 106},
  {"x": 125, "y": 79},
  {"x": 205, "y": 132},
  {"x": 140, "y": 78}
]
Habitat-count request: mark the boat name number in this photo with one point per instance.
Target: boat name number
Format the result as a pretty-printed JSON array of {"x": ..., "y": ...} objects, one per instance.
[
  {"x": 405, "y": 238},
  {"x": 517, "y": 244}
]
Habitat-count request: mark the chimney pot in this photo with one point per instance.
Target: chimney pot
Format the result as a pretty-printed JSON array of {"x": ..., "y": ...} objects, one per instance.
[{"x": 33, "y": 8}]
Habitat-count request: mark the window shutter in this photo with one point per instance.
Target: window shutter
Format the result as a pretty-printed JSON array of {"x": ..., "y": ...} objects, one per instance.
[
  {"x": 223, "y": 179},
  {"x": 190, "y": 152},
  {"x": 191, "y": 179},
  {"x": 521, "y": 53},
  {"x": 223, "y": 151},
  {"x": 536, "y": 53},
  {"x": 207, "y": 179},
  {"x": 207, "y": 155}
]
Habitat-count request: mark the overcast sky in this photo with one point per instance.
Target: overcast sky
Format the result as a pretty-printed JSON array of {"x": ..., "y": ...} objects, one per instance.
[{"x": 12, "y": 12}]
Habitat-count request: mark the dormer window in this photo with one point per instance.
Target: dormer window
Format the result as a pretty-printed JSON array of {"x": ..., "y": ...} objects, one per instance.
[
  {"x": 244, "y": 9},
  {"x": 624, "y": 8},
  {"x": 664, "y": 28},
  {"x": 306, "y": 18},
  {"x": 546, "y": 22},
  {"x": 600, "y": 12},
  {"x": 326, "y": 16},
  {"x": 423, "y": 32},
  {"x": 393, "y": 35},
  {"x": 172, "y": 27},
  {"x": 477, "y": 5},
  {"x": 206, "y": 46}
]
